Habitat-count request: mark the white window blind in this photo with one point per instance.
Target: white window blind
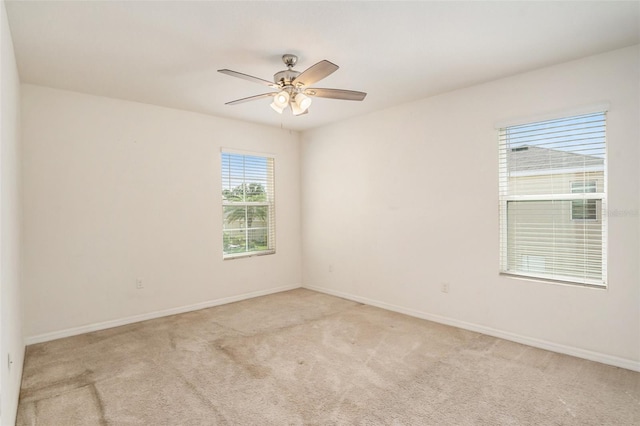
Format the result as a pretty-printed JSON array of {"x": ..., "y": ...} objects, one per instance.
[
  {"x": 553, "y": 222},
  {"x": 248, "y": 205}
]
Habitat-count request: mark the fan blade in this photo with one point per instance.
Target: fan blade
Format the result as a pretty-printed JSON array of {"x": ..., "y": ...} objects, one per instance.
[
  {"x": 315, "y": 73},
  {"x": 251, "y": 98},
  {"x": 347, "y": 95},
  {"x": 249, "y": 78}
]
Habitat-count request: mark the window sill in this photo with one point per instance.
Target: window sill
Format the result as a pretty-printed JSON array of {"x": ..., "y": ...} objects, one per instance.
[
  {"x": 248, "y": 254},
  {"x": 532, "y": 278}
]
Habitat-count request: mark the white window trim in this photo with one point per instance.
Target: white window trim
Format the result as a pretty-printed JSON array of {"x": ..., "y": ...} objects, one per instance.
[
  {"x": 503, "y": 196},
  {"x": 271, "y": 205},
  {"x": 245, "y": 152}
]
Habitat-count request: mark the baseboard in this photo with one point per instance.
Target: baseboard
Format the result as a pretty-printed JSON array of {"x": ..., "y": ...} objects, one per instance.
[
  {"x": 151, "y": 315},
  {"x": 537, "y": 343}
]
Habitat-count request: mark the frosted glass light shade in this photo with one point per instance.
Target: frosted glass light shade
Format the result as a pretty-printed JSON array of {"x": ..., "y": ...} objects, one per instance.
[
  {"x": 276, "y": 107},
  {"x": 280, "y": 101},
  {"x": 303, "y": 101}
]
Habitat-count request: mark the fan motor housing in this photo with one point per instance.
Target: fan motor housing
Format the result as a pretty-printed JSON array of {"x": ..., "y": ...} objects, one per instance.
[{"x": 285, "y": 78}]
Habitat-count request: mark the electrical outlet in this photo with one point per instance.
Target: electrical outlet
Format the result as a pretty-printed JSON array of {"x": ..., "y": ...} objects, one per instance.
[
  {"x": 330, "y": 268},
  {"x": 139, "y": 285},
  {"x": 444, "y": 287}
]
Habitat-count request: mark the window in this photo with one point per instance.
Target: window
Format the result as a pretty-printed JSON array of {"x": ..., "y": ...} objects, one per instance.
[
  {"x": 248, "y": 207},
  {"x": 552, "y": 198},
  {"x": 584, "y": 209}
]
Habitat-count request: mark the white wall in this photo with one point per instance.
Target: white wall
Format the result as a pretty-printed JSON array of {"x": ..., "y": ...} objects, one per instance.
[
  {"x": 116, "y": 190},
  {"x": 11, "y": 338},
  {"x": 399, "y": 201}
]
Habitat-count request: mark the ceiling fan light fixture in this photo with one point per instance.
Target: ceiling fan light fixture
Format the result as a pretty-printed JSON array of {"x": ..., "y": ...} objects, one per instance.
[
  {"x": 296, "y": 110},
  {"x": 293, "y": 86},
  {"x": 281, "y": 99},
  {"x": 303, "y": 101},
  {"x": 276, "y": 107}
]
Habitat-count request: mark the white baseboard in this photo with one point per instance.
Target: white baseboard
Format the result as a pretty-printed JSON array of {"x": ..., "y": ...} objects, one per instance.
[
  {"x": 542, "y": 344},
  {"x": 537, "y": 343},
  {"x": 151, "y": 315}
]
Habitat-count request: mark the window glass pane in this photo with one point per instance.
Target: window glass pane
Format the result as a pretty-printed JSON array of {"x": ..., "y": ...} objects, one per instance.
[
  {"x": 234, "y": 217},
  {"x": 584, "y": 210},
  {"x": 545, "y": 242},
  {"x": 234, "y": 241},
  {"x": 543, "y": 158},
  {"x": 232, "y": 175},
  {"x": 583, "y": 187},
  {"x": 257, "y": 239},
  {"x": 255, "y": 192},
  {"x": 257, "y": 216}
]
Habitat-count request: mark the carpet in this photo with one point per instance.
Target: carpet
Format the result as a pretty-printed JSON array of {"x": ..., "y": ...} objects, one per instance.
[{"x": 306, "y": 358}]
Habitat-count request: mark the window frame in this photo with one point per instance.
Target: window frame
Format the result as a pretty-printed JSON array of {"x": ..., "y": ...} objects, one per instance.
[
  {"x": 505, "y": 198},
  {"x": 269, "y": 203}
]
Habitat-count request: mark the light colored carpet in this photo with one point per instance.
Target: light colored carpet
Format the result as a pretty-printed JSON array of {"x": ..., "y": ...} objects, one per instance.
[{"x": 305, "y": 358}]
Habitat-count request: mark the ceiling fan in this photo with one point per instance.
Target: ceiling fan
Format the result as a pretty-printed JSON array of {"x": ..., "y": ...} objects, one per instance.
[{"x": 292, "y": 87}]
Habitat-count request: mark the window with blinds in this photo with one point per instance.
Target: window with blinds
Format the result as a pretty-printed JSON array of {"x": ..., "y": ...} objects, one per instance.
[
  {"x": 553, "y": 222},
  {"x": 248, "y": 205}
]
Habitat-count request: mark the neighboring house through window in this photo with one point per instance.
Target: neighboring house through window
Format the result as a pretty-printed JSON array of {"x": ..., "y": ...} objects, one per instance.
[
  {"x": 584, "y": 209},
  {"x": 248, "y": 204},
  {"x": 552, "y": 198}
]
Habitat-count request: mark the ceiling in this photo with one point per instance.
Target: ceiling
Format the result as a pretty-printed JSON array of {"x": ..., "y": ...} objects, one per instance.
[{"x": 167, "y": 53}]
